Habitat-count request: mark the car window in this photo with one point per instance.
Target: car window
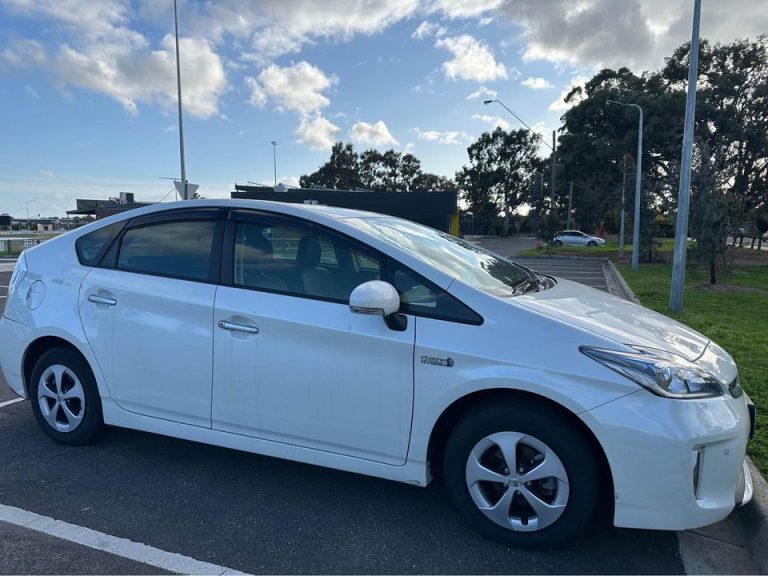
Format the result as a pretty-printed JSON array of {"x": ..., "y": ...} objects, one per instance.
[
  {"x": 300, "y": 260},
  {"x": 421, "y": 297},
  {"x": 178, "y": 249},
  {"x": 91, "y": 246},
  {"x": 452, "y": 256}
]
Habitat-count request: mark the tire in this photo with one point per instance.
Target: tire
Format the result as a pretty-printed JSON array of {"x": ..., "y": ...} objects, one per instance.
[
  {"x": 65, "y": 398},
  {"x": 558, "y": 243},
  {"x": 566, "y": 502},
  {"x": 591, "y": 243}
]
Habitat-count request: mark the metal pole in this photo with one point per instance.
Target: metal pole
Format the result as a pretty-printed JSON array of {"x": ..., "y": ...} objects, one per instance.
[
  {"x": 553, "y": 203},
  {"x": 623, "y": 209},
  {"x": 274, "y": 158},
  {"x": 638, "y": 173},
  {"x": 683, "y": 194},
  {"x": 570, "y": 203},
  {"x": 178, "y": 88}
]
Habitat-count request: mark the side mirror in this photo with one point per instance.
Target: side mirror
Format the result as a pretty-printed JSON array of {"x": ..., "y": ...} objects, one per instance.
[{"x": 375, "y": 297}]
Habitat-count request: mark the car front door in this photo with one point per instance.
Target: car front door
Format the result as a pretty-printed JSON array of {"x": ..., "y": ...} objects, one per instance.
[
  {"x": 147, "y": 314},
  {"x": 292, "y": 363}
]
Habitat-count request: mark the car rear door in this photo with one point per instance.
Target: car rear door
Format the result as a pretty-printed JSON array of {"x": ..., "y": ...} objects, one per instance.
[{"x": 147, "y": 312}]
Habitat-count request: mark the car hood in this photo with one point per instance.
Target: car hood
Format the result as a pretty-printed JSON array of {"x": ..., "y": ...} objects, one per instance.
[{"x": 615, "y": 318}]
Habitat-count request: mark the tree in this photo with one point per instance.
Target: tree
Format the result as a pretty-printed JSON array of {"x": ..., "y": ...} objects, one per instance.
[
  {"x": 388, "y": 171},
  {"x": 498, "y": 178},
  {"x": 341, "y": 172}
]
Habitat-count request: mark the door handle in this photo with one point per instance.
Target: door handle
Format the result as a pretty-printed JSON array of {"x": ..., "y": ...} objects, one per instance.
[
  {"x": 102, "y": 300},
  {"x": 235, "y": 327}
]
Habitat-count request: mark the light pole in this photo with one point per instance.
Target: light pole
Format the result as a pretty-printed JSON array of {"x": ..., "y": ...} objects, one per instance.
[
  {"x": 274, "y": 158},
  {"x": 623, "y": 202},
  {"x": 684, "y": 191},
  {"x": 27, "y": 203},
  {"x": 181, "y": 119},
  {"x": 638, "y": 172}
]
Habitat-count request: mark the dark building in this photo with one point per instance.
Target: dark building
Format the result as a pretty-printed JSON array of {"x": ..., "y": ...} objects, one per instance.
[
  {"x": 104, "y": 208},
  {"x": 435, "y": 209}
]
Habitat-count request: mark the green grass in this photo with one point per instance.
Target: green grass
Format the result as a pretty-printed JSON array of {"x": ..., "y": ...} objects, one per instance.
[
  {"x": 736, "y": 320},
  {"x": 610, "y": 250}
]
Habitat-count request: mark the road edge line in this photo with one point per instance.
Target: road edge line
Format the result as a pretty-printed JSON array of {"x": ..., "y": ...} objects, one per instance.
[{"x": 136, "y": 551}]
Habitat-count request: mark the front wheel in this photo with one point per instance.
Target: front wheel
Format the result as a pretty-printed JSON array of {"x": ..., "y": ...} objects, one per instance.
[
  {"x": 591, "y": 243},
  {"x": 65, "y": 398},
  {"x": 520, "y": 474}
]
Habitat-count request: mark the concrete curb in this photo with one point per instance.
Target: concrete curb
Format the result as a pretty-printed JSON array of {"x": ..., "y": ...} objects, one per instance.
[
  {"x": 753, "y": 517},
  {"x": 612, "y": 276}
]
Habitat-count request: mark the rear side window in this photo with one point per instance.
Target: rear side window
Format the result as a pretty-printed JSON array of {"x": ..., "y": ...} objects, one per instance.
[
  {"x": 92, "y": 246},
  {"x": 179, "y": 249}
]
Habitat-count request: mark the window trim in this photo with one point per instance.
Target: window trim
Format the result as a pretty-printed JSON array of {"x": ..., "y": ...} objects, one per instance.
[
  {"x": 169, "y": 217},
  {"x": 263, "y": 217}
]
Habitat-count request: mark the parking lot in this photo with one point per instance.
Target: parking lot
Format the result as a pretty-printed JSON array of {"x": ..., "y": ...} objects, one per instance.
[{"x": 257, "y": 514}]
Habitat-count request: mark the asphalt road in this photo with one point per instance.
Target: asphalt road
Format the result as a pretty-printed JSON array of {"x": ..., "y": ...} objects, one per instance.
[{"x": 259, "y": 514}]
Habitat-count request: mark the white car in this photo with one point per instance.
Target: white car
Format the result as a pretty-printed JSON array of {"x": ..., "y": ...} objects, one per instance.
[
  {"x": 375, "y": 345},
  {"x": 576, "y": 238}
]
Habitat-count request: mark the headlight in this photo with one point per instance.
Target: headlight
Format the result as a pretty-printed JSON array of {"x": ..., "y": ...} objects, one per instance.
[{"x": 660, "y": 372}]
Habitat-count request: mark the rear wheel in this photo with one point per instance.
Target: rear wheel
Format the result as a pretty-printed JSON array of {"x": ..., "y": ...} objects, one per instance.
[
  {"x": 522, "y": 475},
  {"x": 558, "y": 243},
  {"x": 65, "y": 398}
]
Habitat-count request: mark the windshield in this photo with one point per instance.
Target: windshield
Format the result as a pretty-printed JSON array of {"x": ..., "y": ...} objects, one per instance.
[{"x": 453, "y": 256}]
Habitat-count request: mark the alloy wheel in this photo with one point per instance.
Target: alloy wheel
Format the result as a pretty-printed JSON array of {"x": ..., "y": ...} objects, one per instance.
[{"x": 61, "y": 398}]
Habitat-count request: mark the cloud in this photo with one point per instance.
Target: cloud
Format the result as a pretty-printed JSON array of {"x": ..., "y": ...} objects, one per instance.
[
  {"x": 494, "y": 121},
  {"x": 97, "y": 50},
  {"x": 448, "y": 137},
  {"x": 25, "y": 53},
  {"x": 465, "y": 8},
  {"x": 131, "y": 77},
  {"x": 268, "y": 29},
  {"x": 298, "y": 88},
  {"x": 536, "y": 83},
  {"x": 483, "y": 92},
  {"x": 560, "y": 105},
  {"x": 376, "y": 134},
  {"x": 472, "y": 60},
  {"x": 426, "y": 29},
  {"x": 31, "y": 93},
  {"x": 633, "y": 33},
  {"x": 317, "y": 132}
]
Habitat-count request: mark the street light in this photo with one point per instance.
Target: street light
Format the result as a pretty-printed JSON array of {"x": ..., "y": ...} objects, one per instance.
[
  {"x": 638, "y": 171},
  {"x": 274, "y": 158},
  {"x": 27, "y": 202},
  {"x": 184, "y": 194},
  {"x": 536, "y": 134}
]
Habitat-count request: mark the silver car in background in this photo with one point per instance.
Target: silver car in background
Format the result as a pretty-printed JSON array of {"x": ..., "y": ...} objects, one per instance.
[{"x": 576, "y": 238}]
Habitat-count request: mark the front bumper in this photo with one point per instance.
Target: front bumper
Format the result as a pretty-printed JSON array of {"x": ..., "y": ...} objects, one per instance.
[{"x": 676, "y": 464}]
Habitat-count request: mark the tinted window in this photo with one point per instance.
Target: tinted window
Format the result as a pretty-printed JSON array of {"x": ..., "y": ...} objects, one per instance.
[
  {"x": 300, "y": 260},
  {"x": 179, "y": 249},
  {"x": 421, "y": 297},
  {"x": 91, "y": 246}
]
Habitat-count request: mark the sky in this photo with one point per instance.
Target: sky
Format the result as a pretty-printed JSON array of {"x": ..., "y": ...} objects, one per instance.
[{"x": 88, "y": 87}]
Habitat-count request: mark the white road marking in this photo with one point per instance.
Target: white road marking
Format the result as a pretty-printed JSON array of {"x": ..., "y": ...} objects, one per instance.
[
  {"x": 3, "y": 296},
  {"x": 9, "y": 402},
  {"x": 111, "y": 544},
  {"x": 1, "y": 286},
  {"x": 5, "y": 267}
]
